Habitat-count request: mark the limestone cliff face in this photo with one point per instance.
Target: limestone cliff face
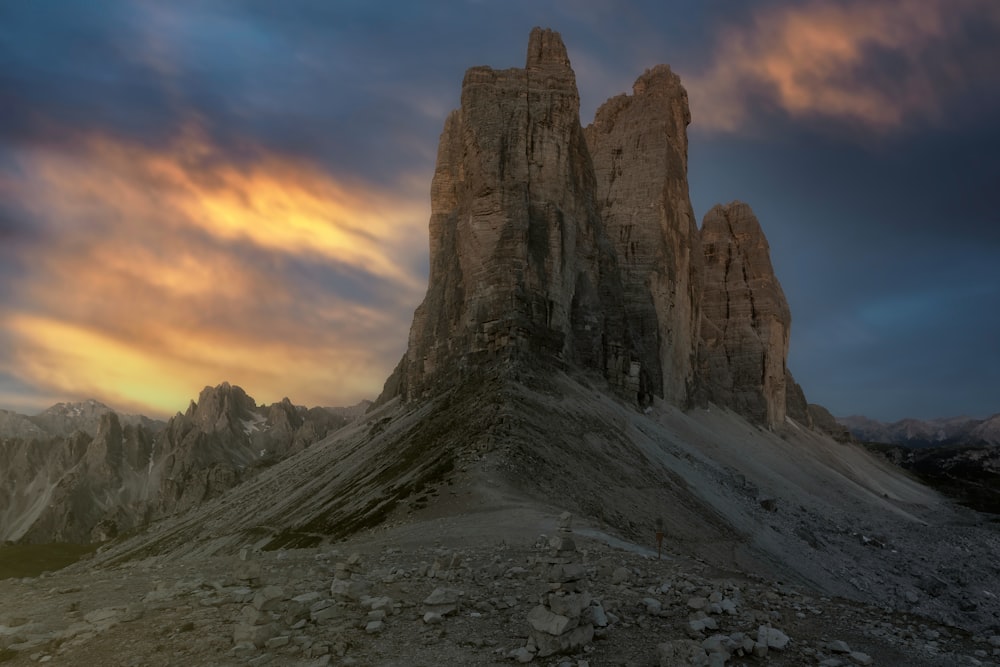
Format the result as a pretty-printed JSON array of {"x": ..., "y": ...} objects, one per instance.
[
  {"x": 581, "y": 245},
  {"x": 638, "y": 144},
  {"x": 519, "y": 259},
  {"x": 745, "y": 319},
  {"x": 548, "y": 239}
]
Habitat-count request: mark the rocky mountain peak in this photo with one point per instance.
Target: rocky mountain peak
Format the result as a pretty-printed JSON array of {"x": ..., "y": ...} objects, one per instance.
[
  {"x": 546, "y": 50},
  {"x": 520, "y": 264},
  {"x": 638, "y": 144},
  {"x": 62, "y": 419},
  {"x": 550, "y": 241},
  {"x": 220, "y": 407}
]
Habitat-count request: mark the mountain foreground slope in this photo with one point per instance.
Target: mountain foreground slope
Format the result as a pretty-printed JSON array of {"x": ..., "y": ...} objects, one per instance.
[
  {"x": 587, "y": 371},
  {"x": 815, "y": 540}
]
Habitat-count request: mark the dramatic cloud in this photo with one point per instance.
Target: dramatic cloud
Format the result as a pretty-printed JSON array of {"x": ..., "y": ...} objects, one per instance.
[
  {"x": 871, "y": 63},
  {"x": 160, "y": 271}
]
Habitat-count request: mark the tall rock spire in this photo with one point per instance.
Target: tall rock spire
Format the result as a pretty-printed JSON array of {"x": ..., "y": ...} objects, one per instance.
[
  {"x": 519, "y": 260},
  {"x": 549, "y": 241},
  {"x": 746, "y": 322},
  {"x": 638, "y": 144}
]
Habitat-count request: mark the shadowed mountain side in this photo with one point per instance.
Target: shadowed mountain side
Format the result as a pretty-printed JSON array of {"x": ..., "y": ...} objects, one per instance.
[{"x": 508, "y": 449}]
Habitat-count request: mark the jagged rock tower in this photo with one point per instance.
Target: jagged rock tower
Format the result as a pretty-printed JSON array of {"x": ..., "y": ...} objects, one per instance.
[
  {"x": 638, "y": 144},
  {"x": 531, "y": 254},
  {"x": 549, "y": 241}
]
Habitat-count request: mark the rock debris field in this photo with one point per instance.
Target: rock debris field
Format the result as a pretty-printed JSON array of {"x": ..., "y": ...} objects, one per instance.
[{"x": 561, "y": 599}]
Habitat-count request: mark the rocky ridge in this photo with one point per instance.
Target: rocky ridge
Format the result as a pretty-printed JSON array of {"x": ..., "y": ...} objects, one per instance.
[
  {"x": 82, "y": 472},
  {"x": 964, "y": 431}
]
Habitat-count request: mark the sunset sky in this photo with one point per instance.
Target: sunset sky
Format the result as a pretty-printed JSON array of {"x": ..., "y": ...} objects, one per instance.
[{"x": 200, "y": 191}]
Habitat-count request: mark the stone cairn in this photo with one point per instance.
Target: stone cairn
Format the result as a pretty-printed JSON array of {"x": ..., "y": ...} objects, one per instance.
[{"x": 563, "y": 622}]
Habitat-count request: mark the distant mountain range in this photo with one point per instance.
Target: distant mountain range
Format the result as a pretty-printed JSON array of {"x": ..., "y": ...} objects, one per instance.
[
  {"x": 958, "y": 456},
  {"x": 926, "y": 433},
  {"x": 81, "y": 472}
]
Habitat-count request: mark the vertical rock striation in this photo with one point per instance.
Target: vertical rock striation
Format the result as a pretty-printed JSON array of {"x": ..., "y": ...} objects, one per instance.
[
  {"x": 745, "y": 319},
  {"x": 519, "y": 259},
  {"x": 638, "y": 144},
  {"x": 551, "y": 241}
]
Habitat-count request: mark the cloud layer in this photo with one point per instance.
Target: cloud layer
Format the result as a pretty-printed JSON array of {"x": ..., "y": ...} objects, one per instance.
[{"x": 874, "y": 64}]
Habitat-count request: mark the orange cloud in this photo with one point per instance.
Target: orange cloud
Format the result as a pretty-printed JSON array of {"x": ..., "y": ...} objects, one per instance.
[
  {"x": 275, "y": 203},
  {"x": 158, "y": 374},
  {"x": 164, "y": 271},
  {"x": 821, "y": 59}
]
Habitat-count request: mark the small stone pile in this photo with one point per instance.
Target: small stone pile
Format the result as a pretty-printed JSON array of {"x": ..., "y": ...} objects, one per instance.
[
  {"x": 563, "y": 623},
  {"x": 348, "y": 583},
  {"x": 260, "y": 623},
  {"x": 440, "y": 603}
]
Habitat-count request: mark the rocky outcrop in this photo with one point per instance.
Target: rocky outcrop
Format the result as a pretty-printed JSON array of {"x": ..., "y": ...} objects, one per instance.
[
  {"x": 83, "y": 473},
  {"x": 745, "y": 319},
  {"x": 823, "y": 421},
  {"x": 638, "y": 144},
  {"x": 796, "y": 405}
]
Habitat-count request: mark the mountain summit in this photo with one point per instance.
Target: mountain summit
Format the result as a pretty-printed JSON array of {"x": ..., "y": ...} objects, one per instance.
[{"x": 554, "y": 243}]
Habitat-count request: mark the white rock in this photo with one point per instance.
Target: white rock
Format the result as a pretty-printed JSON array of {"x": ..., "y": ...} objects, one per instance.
[
  {"x": 653, "y": 606},
  {"x": 543, "y": 620},
  {"x": 443, "y": 596},
  {"x": 772, "y": 638},
  {"x": 522, "y": 655},
  {"x": 269, "y": 598}
]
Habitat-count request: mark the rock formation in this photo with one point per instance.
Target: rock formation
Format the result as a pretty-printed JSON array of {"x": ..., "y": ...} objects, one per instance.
[
  {"x": 745, "y": 319},
  {"x": 638, "y": 144},
  {"x": 519, "y": 260},
  {"x": 552, "y": 241},
  {"x": 821, "y": 419}
]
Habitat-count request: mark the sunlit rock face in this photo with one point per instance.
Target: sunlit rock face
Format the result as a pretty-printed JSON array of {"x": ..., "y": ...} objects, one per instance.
[
  {"x": 745, "y": 319},
  {"x": 534, "y": 254}
]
